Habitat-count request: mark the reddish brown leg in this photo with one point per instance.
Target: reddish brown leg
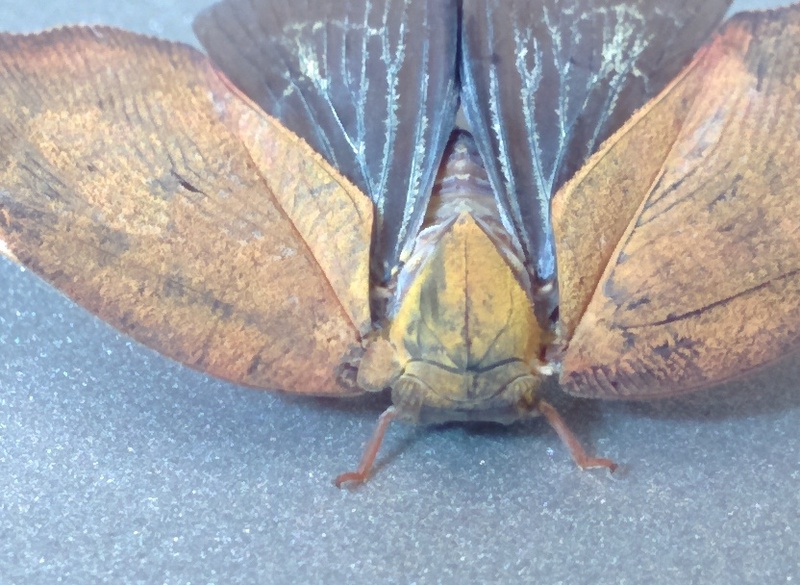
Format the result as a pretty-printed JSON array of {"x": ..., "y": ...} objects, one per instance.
[
  {"x": 360, "y": 475},
  {"x": 571, "y": 441}
]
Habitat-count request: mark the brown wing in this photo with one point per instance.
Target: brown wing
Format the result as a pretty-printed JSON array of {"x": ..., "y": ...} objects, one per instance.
[
  {"x": 704, "y": 284},
  {"x": 136, "y": 182}
]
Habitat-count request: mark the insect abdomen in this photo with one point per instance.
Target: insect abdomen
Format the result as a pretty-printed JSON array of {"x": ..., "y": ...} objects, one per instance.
[{"x": 462, "y": 185}]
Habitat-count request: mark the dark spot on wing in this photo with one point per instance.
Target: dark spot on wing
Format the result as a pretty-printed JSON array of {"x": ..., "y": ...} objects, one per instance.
[
  {"x": 185, "y": 184},
  {"x": 727, "y": 195},
  {"x": 254, "y": 364},
  {"x": 221, "y": 309},
  {"x": 629, "y": 340},
  {"x": 634, "y": 304},
  {"x": 761, "y": 72}
]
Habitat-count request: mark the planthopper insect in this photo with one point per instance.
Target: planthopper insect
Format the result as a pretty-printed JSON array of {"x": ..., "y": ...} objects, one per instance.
[{"x": 298, "y": 210}]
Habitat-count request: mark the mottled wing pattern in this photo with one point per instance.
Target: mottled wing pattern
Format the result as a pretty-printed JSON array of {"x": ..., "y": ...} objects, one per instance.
[
  {"x": 133, "y": 180},
  {"x": 704, "y": 284},
  {"x": 545, "y": 82},
  {"x": 369, "y": 84}
]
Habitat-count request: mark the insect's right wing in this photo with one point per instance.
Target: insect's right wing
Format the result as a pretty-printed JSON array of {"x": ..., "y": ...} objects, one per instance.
[
  {"x": 704, "y": 281},
  {"x": 545, "y": 82},
  {"x": 369, "y": 84}
]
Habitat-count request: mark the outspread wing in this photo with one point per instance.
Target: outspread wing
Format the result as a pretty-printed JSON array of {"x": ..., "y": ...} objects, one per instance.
[
  {"x": 369, "y": 84},
  {"x": 545, "y": 82},
  {"x": 704, "y": 284},
  {"x": 134, "y": 180}
]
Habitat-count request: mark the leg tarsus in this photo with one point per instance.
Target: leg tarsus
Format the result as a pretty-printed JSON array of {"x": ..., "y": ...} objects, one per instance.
[
  {"x": 360, "y": 475},
  {"x": 571, "y": 441}
]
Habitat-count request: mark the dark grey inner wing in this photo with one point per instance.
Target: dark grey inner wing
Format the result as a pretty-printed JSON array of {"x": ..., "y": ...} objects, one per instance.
[
  {"x": 546, "y": 81},
  {"x": 370, "y": 84}
]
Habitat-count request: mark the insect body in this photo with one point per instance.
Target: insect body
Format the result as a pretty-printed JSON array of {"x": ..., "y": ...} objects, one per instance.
[
  {"x": 463, "y": 340},
  {"x": 462, "y": 330}
]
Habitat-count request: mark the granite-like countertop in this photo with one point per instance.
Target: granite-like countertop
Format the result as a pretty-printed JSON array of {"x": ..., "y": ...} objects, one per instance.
[{"x": 120, "y": 466}]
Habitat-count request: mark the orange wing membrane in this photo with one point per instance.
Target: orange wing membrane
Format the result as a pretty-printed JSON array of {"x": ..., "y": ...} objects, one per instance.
[
  {"x": 133, "y": 179},
  {"x": 704, "y": 282}
]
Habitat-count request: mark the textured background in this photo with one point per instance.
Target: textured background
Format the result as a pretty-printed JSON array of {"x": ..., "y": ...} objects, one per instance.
[{"x": 117, "y": 465}]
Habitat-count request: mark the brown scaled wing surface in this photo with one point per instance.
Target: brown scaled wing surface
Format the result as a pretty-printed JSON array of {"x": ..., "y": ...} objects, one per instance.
[
  {"x": 137, "y": 182},
  {"x": 689, "y": 272}
]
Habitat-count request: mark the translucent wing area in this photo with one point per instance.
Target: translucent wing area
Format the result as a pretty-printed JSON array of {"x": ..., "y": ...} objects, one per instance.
[
  {"x": 133, "y": 180},
  {"x": 704, "y": 284},
  {"x": 369, "y": 84},
  {"x": 545, "y": 82}
]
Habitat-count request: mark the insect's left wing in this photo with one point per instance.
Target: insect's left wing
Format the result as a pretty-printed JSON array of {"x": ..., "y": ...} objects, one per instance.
[
  {"x": 704, "y": 283},
  {"x": 134, "y": 180},
  {"x": 545, "y": 82},
  {"x": 369, "y": 84}
]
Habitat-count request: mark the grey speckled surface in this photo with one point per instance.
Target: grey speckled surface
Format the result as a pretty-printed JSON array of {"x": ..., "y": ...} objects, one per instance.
[{"x": 117, "y": 465}]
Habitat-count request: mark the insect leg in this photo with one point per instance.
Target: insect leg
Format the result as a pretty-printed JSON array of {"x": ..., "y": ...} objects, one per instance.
[
  {"x": 571, "y": 441},
  {"x": 360, "y": 475}
]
